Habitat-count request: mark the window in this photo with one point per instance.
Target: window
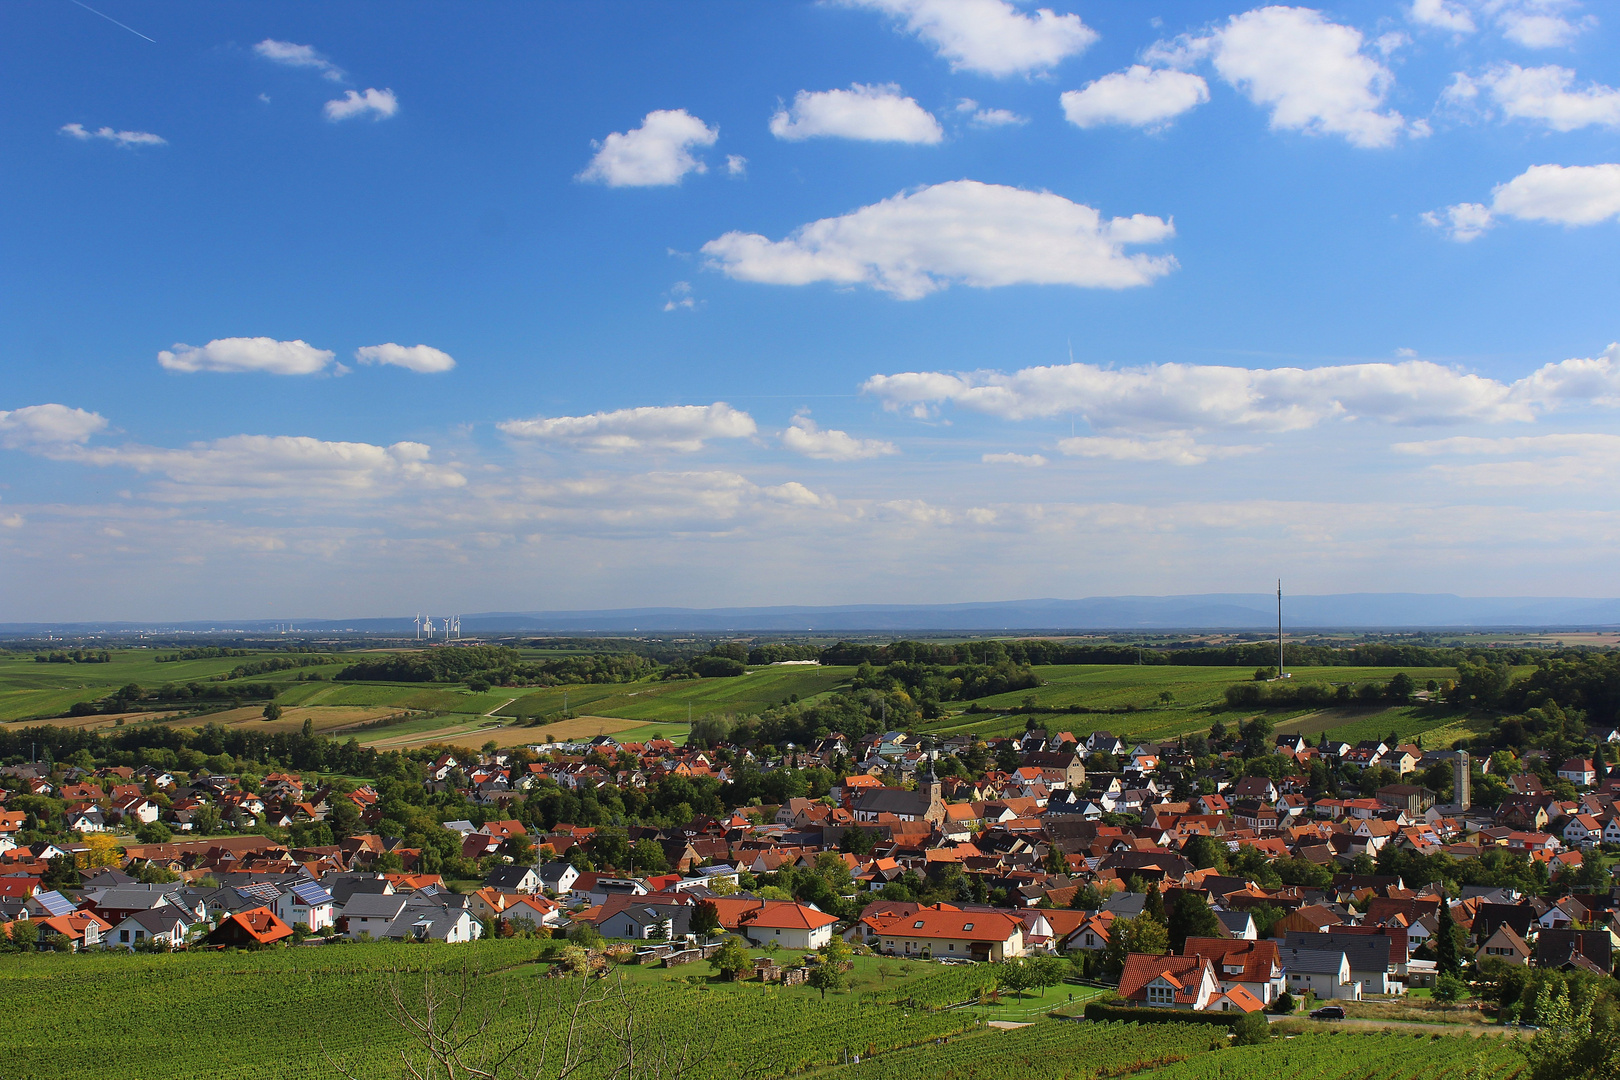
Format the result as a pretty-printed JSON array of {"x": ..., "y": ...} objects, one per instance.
[
  {"x": 917, "y": 925},
  {"x": 966, "y": 927},
  {"x": 123, "y": 935}
]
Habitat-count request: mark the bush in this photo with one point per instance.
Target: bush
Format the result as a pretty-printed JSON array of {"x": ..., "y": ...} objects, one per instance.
[
  {"x": 1284, "y": 1005},
  {"x": 1449, "y": 988},
  {"x": 1252, "y": 1029},
  {"x": 1122, "y": 1011}
]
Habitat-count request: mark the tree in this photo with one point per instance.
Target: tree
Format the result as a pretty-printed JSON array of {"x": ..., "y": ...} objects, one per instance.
[
  {"x": 154, "y": 832},
  {"x": 1190, "y": 916},
  {"x": 1015, "y": 974},
  {"x": 1139, "y": 935},
  {"x": 99, "y": 849},
  {"x": 1445, "y": 943},
  {"x": 1046, "y": 971},
  {"x": 1566, "y": 1046},
  {"x": 1205, "y": 852},
  {"x": 732, "y": 960},
  {"x": 832, "y": 973},
  {"x": 705, "y": 919},
  {"x": 1449, "y": 988},
  {"x": 272, "y": 711},
  {"x": 1153, "y": 906},
  {"x": 1284, "y": 1005},
  {"x": 1054, "y": 862}
]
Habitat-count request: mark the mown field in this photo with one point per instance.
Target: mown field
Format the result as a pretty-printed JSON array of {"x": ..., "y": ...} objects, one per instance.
[{"x": 300, "y": 1013}]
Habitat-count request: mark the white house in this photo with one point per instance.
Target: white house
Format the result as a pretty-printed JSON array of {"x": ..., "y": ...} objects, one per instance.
[
  {"x": 1324, "y": 971},
  {"x": 167, "y": 924},
  {"x": 454, "y": 926},
  {"x": 305, "y": 903}
]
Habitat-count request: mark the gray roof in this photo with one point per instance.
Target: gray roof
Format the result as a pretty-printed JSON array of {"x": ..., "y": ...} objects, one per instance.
[
  {"x": 1367, "y": 952},
  {"x": 1126, "y": 905},
  {"x": 373, "y": 906},
  {"x": 506, "y": 878},
  {"x": 345, "y": 886},
  {"x": 553, "y": 872},
  {"x": 893, "y": 801},
  {"x": 1237, "y": 922},
  {"x": 1312, "y": 961},
  {"x": 133, "y": 897},
  {"x": 162, "y": 920}
]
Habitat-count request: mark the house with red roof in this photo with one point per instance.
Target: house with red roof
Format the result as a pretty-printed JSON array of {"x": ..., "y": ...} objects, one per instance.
[
  {"x": 248, "y": 929},
  {"x": 1181, "y": 982},
  {"x": 944, "y": 931}
]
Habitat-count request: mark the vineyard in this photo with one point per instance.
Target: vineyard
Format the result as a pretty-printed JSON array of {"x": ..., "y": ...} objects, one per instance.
[
  {"x": 292, "y": 1013},
  {"x": 1358, "y": 1057},
  {"x": 1046, "y": 1051}
]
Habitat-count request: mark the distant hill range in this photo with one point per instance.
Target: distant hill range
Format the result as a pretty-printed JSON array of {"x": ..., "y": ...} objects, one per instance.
[{"x": 1211, "y": 611}]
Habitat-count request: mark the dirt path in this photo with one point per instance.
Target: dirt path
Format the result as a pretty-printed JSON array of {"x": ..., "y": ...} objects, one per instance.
[
  {"x": 501, "y": 706},
  {"x": 1404, "y": 1025}
]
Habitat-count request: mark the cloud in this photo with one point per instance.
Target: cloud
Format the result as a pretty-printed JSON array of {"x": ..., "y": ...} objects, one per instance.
[
  {"x": 248, "y": 354},
  {"x": 304, "y": 56},
  {"x": 47, "y": 425},
  {"x": 1441, "y": 15},
  {"x": 117, "y": 138},
  {"x": 678, "y": 428},
  {"x": 657, "y": 153},
  {"x": 736, "y": 165},
  {"x": 266, "y": 466},
  {"x": 1311, "y": 73},
  {"x": 1028, "y": 461},
  {"x": 804, "y": 437},
  {"x": 1176, "y": 448},
  {"x": 1138, "y": 96},
  {"x": 1569, "y": 195},
  {"x": 1535, "y": 24},
  {"x": 423, "y": 359},
  {"x": 1539, "y": 460},
  {"x": 994, "y": 118},
  {"x": 1541, "y": 94},
  {"x": 870, "y": 113},
  {"x": 1178, "y": 398},
  {"x": 680, "y": 297},
  {"x": 990, "y": 37},
  {"x": 1462, "y": 222},
  {"x": 963, "y": 231},
  {"x": 380, "y": 104}
]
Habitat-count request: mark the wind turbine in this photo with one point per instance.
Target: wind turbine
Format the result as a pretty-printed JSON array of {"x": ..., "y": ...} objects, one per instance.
[{"x": 418, "y": 626}]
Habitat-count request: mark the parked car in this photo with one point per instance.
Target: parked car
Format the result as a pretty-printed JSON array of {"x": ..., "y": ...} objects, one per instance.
[{"x": 1328, "y": 1012}]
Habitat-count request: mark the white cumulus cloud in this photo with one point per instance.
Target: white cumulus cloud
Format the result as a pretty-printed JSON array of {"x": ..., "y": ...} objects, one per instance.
[
  {"x": 990, "y": 37},
  {"x": 46, "y": 425},
  {"x": 304, "y": 56},
  {"x": 248, "y": 354},
  {"x": 424, "y": 359},
  {"x": 869, "y": 113},
  {"x": 1311, "y": 73},
  {"x": 679, "y": 428},
  {"x": 994, "y": 118},
  {"x": 804, "y": 437},
  {"x": 1442, "y": 15},
  {"x": 378, "y": 104},
  {"x": 1139, "y": 96},
  {"x": 117, "y": 138},
  {"x": 1175, "y": 448},
  {"x": 1027, "y": 461},
  {"x": 657, "y": 153},
  {"x": 1569, "y": 195},
  {"x": 963, "y": 231},
  {"x": 1180, "y": 398},
  {"x": 1545, "y": 95}
]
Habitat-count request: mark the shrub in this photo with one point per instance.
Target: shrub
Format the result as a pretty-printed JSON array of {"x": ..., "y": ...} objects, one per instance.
[
  {"x": 1284, "y": 1004},
  {"x": 1252, "y": 1029}
]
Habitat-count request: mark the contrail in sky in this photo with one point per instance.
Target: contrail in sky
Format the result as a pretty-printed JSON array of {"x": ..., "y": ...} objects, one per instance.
[{"x": 114, "y": 21}]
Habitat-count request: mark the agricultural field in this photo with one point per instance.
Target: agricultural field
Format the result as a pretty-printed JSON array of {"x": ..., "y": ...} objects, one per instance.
[
  {"x": 298, "y": 1013},
  {"x": 1126, "y": 699},
  {"x": 1196, "y": 702}
]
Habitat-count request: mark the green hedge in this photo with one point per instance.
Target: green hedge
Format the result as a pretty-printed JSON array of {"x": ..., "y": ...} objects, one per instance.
[{"x": 1102, "y": 1010}]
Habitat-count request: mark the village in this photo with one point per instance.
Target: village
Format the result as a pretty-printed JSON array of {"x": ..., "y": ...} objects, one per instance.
[{"x": 1249, "y": 896}]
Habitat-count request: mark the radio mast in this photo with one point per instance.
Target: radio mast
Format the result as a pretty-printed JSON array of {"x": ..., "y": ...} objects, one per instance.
[{"x": 1279, "y": 630}]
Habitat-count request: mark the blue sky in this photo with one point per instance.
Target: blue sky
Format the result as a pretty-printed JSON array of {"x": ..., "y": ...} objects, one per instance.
[{"x": 340, "y": 309}]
